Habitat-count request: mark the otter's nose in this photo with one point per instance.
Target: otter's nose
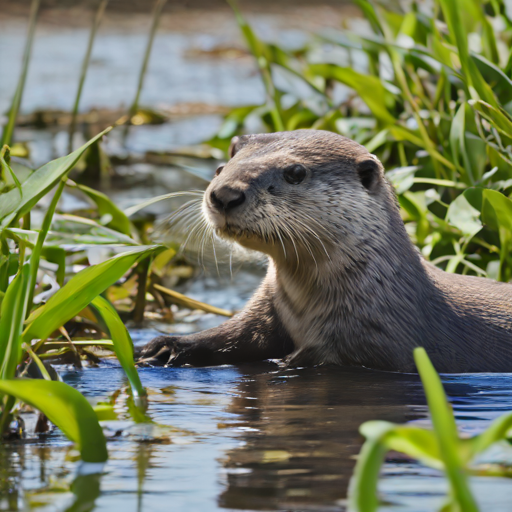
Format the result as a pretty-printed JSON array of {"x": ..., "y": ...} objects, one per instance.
[{"x": 226, "y": 198}]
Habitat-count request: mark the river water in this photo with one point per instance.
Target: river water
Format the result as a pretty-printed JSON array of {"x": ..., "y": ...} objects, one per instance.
[{"x": 254, "y": 437}]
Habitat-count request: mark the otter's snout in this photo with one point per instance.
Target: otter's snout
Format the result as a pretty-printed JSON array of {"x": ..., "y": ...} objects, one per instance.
[{"x": 226, "y": 198}]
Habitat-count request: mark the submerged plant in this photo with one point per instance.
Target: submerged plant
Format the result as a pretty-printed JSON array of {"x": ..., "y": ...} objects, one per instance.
[{"x": 440, "y": 448}]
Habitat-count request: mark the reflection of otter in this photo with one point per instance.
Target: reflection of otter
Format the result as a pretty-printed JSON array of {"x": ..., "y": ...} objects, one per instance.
[
  {"x": 345, "y": 285},
  {"x": 300, "y": 433}
]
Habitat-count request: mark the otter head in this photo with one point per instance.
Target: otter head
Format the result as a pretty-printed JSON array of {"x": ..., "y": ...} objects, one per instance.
[{"x": 297, "y": 195}]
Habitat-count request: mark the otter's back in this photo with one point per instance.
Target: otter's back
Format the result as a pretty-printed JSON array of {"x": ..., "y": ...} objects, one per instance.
[{"x": 471, "y": 321}]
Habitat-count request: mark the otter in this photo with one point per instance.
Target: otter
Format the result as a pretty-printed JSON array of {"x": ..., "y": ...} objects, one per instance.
[{"x": 345, "y": 285}]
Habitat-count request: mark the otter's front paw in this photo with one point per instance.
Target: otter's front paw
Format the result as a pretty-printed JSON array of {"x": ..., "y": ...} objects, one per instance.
[{"x": 164, "y": 351}]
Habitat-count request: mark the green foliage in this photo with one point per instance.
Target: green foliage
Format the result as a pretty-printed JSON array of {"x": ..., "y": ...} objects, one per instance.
[
  {"x": 85, "y": 66},
  {"x": 434, "y": 108},
  {"x": 66, "y": 408},
  {"x": 440, "y": 448},
  {"x": 16, "y": 203},
  {"x": 81, "y": 290},
  {"x": 123, "y": 344},
  {"x": 8, "y": 130},
  {"x": 25, "y": 329}
]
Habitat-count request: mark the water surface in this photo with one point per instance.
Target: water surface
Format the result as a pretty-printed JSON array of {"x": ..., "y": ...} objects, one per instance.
[{"x": 253, "y": 437}]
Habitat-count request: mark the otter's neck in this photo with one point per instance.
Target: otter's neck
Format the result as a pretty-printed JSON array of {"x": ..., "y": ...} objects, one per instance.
[{"x": 348, "y": 303}]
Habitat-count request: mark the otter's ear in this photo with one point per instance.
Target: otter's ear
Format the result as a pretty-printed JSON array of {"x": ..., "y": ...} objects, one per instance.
[
  {"x": 232, "y": 147},
  {"x": 237, "y": 143},
  {"x": 369, "y": 172}
]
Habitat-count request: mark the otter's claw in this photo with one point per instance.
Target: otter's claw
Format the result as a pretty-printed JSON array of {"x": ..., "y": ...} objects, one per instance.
[{"x": 163, "y": 351}]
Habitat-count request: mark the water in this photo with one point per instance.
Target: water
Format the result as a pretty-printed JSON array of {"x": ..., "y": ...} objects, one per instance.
[{"x": 254, "y": 437}]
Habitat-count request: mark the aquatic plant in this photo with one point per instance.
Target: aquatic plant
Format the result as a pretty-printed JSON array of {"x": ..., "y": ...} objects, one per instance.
[
  {"x": 159, "y": 5},
  {"x": 25, "y": 327},
  {"x": 8, "y": 130},
  {"x": 435, "y": 108},
  {"x": 440, "y": 448},
  {"x": 85, "y": 66}
]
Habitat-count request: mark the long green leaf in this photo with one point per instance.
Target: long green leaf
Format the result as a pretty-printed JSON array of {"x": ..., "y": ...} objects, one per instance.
[
  {"x": 85, "y": 65},
  {"x": 39, "y": 183},
  {"x": 106, "y": 206},
  {"x": 258, "y": 49},
  {"x": 11, "y": 323},
  {"x": 16, "y": 102},
  {"x": 497, "y": 117},
  {"x": 66, "y": 408},
  {"x": 123, "y": 344},
  {"x": 382, "y": 436},
  {"x": 475, "y": 81},
  {"x": 497, "y": 430},
  {"x": 370, "y": 88},
  {"x": 362, "y": 493},
  {"x": 81, "y": 290},
  {"x": 446, "y": 430},
  {"x": 497, "y": 215}
]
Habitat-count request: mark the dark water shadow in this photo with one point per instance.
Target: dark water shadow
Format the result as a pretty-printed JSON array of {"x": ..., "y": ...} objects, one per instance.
[{"x": 299, "y": 433}]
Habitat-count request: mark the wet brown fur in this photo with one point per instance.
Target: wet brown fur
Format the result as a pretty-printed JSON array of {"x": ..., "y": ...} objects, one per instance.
[{"x": 345, "y": 285}]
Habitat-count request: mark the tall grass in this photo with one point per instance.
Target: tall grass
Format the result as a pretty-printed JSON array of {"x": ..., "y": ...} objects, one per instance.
[
  {"x": 8, "y": 129},
  {"x": 85, "y": 66},
  {"x": 31, "y": 331},
  {"x": 159, "y": 5}
]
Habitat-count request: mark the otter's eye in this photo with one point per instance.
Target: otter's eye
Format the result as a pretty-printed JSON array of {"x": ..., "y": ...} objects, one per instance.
[
  {"x": 295, "y": 174},
  {"x": 219, "y": 169}
]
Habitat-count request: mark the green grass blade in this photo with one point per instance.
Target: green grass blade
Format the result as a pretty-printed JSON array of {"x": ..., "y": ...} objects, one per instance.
[
  {"x": 497, "y": 215},
  {"x": 475, "y": 81},
  {"x": 415, "y": 442},
  {"x": 66, "y": 408},
  {"x": 43, "y": 232},
  {"x": 11, "y": 323},
  {"x": 106, "y": 206},
  {"x": 496, "y": 431},
  {"x": 85, "y": 66},
  {"x": 41, "y": 237},
  {"x": 6, "y": 170},
  {"x": 159, "y": 5},
  {"x": 446, "y": 431},
  {"x": 81, "y": 290},
  {"x": 498, "y": 118},
  {"x": 257, "y": 48},
  {"x": 362, "y": 492},
  {"x": 369, "y": 88},
  {"x": 8, "y": 130},
  {"x": 39, "y": 183},
  {"x": 370, "y": 15},
  {"x": 123, "y": 344}
]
